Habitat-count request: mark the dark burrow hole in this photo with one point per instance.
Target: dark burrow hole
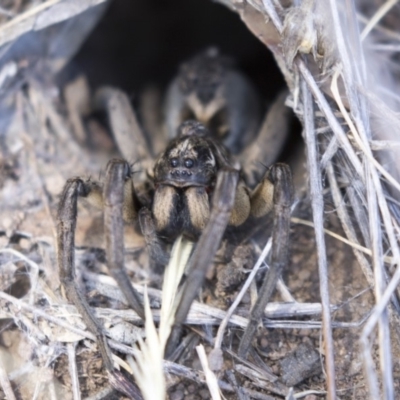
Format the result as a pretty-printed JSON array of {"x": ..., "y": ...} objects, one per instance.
[{"x": 141, "y": 43}]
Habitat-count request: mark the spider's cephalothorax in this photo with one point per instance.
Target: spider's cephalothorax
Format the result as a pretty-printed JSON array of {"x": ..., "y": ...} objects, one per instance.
[
  {"x": 191, "y": 159},
  {"x": 195, "y": 187},
  {"x": 184, "y": 179}
]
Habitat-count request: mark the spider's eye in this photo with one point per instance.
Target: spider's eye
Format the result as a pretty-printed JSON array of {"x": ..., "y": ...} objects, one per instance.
[
  {"x": 174, "y": 162},
  {"x": 189, "y": 163}
]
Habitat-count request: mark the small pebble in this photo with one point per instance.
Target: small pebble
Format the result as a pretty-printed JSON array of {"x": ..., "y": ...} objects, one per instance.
[
  {"x": 177, "y": 395},
  {"x": 191, "y": 388},
  {"x": 204, "y": 394}
]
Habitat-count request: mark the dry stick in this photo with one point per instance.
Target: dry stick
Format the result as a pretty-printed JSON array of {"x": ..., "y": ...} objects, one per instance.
[
  {"x": 383, "y": 324},
  {"x": 347, "y": 225},
  {"x": 355, "y": 246},
  {"x": 102, "y": 395},
  {"x": 330, "y": 151},
  {"x": 369, "y": 326},
  {"x": 318, "y": 217},
  {"x": 354, "y": 193},
  {"x": 168, "y": 365},
  {"x": 211, "y": 379},
  {"x": 391, "y": 34},
  {"x": 281, "y": 287},
  {"x": 282, "y": 201},
  {"x": 323, "y": 105},
  {"x": 240, "y": 393},
  {"x": 257, "y": 379},
  {"x": 201, "y": 314},
  {"x": 232, "y": 308},
  {"x": 73, "y": 370},
  {"x": 377, "y": 183},
  {"x": 34, "y": 271},
  {"x": 341, "y": 136},
  {"x": 358, "y": 107},
  {"x": 373, "y": 189},
  {"x": 27, "y": 14},
  {"x": 382, "y": 10},
  {"x": 330, "y": 117},
  {"x": 270, "y": 9}
]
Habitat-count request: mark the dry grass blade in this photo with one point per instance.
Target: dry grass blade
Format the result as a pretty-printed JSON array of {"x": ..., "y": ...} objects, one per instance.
[
  {"x": 363, "y": 147},
  {"x": 317, "y": 206},
  {"x": 148, "y": 367},
  {"x": 381, "y": 12},
  {"x": 356, "y": 246},
  {"x": 172, "y": 277},
  {"x": 41, "y": 16},
  {"x": 370, "y": 325},
  {"x": 211, "y": 379},
  {"x": 34, "y": 270},
  {"x": 238, "y": 299},
  {"x": 73, "y": 370}
]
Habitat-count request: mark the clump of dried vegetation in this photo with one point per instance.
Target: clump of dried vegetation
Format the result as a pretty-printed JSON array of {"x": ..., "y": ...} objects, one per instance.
[{"x": 338, "y": 297}]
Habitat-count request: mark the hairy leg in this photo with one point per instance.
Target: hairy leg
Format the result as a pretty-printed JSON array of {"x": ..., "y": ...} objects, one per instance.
[
  {"x": 119, "y": 200},
  {"x": 128, "y": 134},
  {"x": 156, "y": 249},
  {"x": 66, "y": 223},
  {"x": 206, "y": 248},
  {"x": 280, "y": 176},
  {"x": 265, "y": 149}
]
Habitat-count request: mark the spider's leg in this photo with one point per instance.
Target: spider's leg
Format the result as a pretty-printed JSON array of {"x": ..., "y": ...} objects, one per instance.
[
  {"x": 127, "y": 132},
  {"x": 206, "y": 248},
  {"x": 265, "y": 149},
  {"x": 66, "y": 223},
  {"x": 155, "y": 247},
  {"x": 119, "y": 201},
  {"x": 279, "y": 179}
]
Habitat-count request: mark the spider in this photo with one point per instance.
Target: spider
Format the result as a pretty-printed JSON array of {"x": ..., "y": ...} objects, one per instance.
[{"x": 201, "y": 186}]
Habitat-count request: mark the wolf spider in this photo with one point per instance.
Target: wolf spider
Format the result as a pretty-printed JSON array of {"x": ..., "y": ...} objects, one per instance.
[{"x": 200, "y": 186}]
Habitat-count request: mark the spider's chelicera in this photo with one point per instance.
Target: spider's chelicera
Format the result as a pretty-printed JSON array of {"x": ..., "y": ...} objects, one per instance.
[{"x": 208, "y": 177}]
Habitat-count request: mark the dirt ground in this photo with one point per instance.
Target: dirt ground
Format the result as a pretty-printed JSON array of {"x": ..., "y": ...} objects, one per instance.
[
  {"x": 34, "y": 351},
  {"x": 46, "y": 351}
]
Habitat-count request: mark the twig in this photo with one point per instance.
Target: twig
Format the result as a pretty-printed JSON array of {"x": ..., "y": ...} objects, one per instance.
[
  {"x": 318, "y": 217},
  {"x": 356, "y": 246},
  {"x": 30, "y": 19},
  {"x": 102, "y": 395},
  {"x": 330, "y": 117},
  {"x": 73, "y": 371},
  {"x": 383, "y": 324},
  {"x": 347, "y": 225},
  {"x": 240, "y": 393},
  {"x": 282, "y": 289},
  {"x": 382, "y": 11},
  {"x": 366, "y": 150},
  {"x": 369, "y": 326},
  {"x": 34, "y": 275},
  {"x": 258, "y": 380},
  {"x": 211, "y": 379},
  {"x": 27, "y": 14},
  {"x": 238, "y": 299}
]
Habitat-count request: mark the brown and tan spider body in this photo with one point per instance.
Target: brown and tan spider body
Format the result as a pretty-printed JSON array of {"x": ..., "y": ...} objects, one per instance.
[
  {"x": 184, "y": 179},
  {"x": 202, "y": 182}
]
